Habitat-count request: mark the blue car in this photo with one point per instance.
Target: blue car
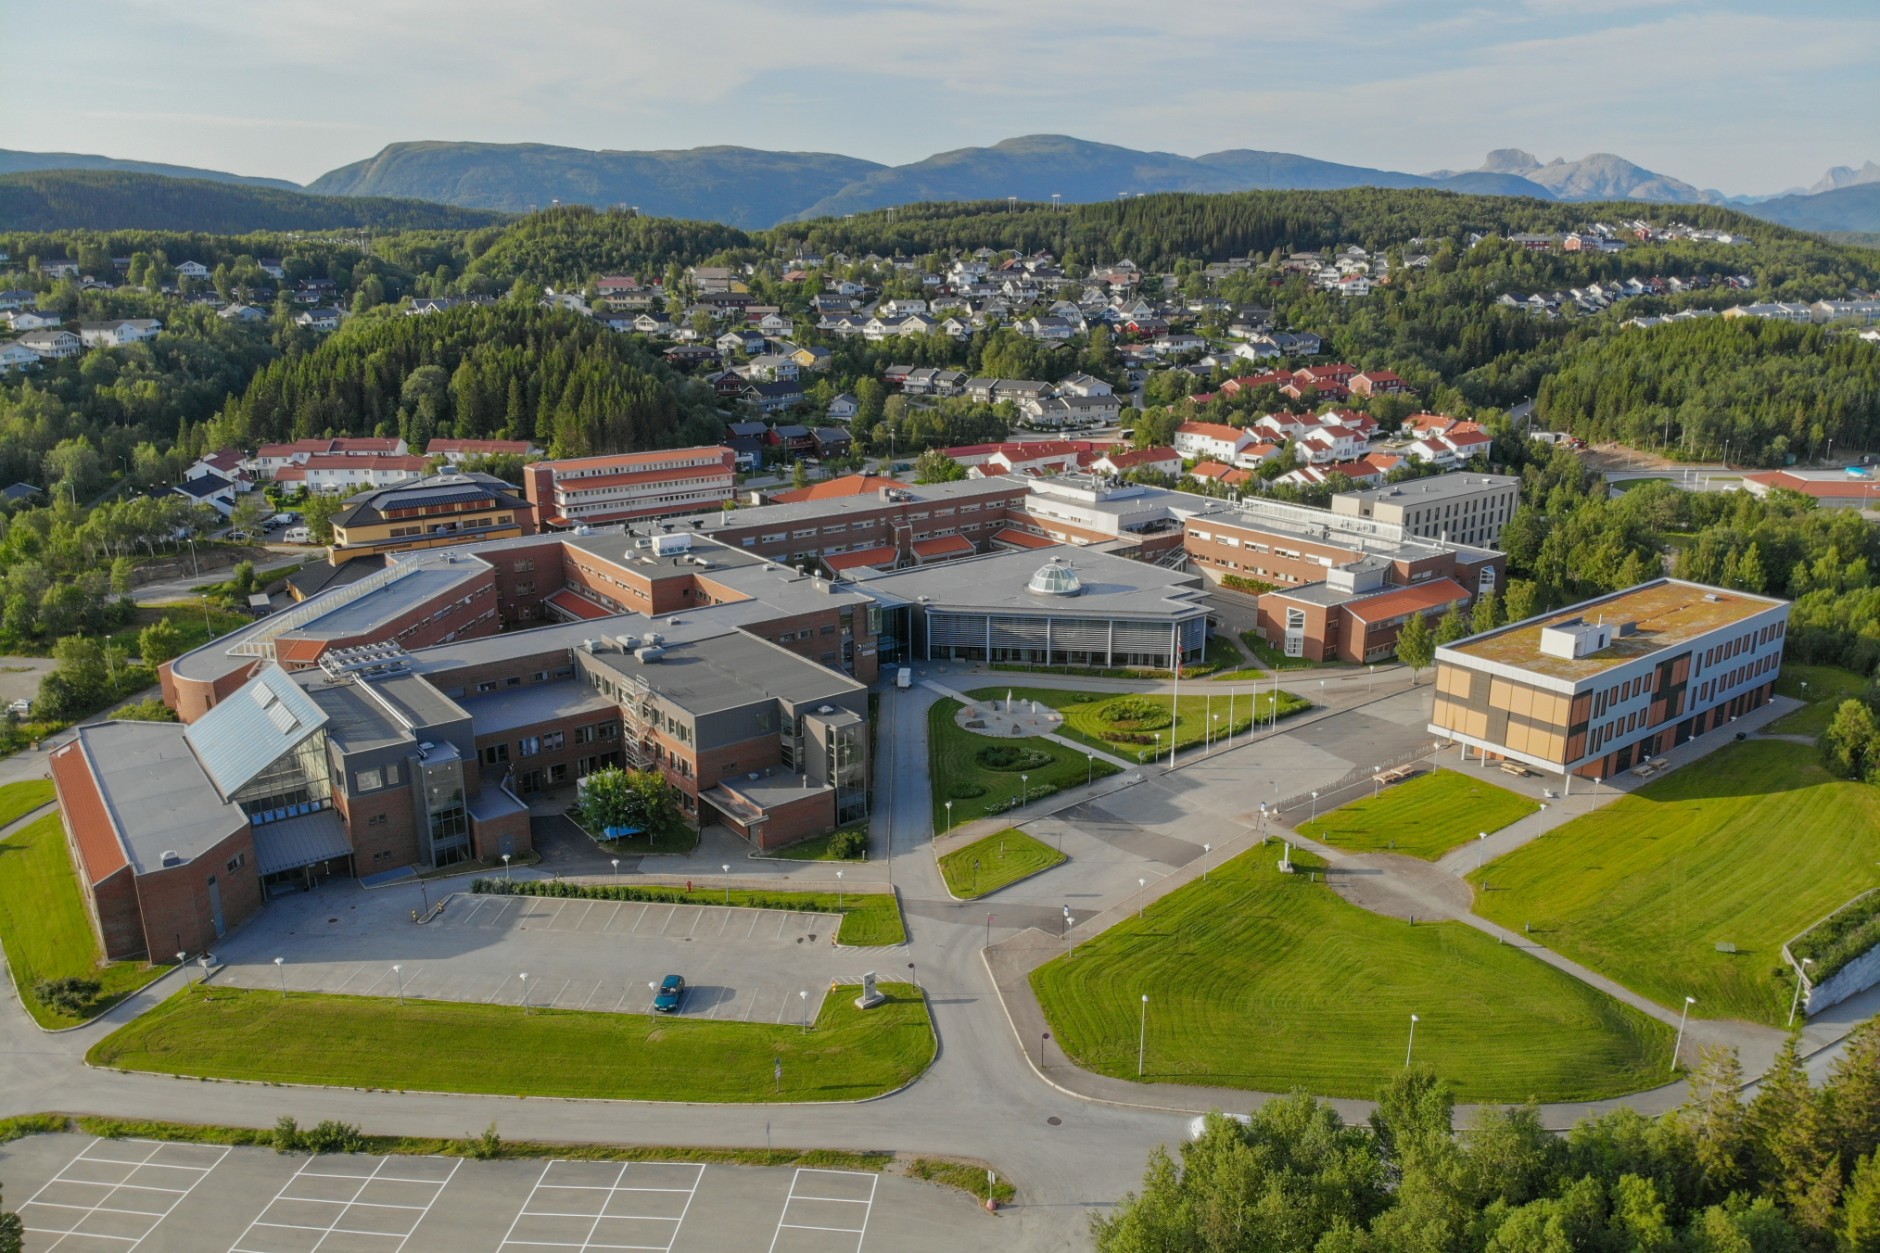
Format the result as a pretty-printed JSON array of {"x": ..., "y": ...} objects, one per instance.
[{"x": 671, "y": 988}]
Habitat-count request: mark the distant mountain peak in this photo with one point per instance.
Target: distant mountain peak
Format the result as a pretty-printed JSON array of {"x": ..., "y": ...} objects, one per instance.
[
  {"x": 1510, "y": 161},
  {"x": 1846, "y": 176}
]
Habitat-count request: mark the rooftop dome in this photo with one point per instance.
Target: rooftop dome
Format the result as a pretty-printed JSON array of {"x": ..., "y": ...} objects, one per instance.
[{"x": 1056, "y": 578}]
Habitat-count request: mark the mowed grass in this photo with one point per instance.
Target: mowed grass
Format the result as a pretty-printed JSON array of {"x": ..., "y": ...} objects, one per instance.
[
  {"x": 1826, "y": 687},
  {"x": 865, "y": 919},
  {"x": 1423, "y": 817},
  {"x": 957, "y": 775},
  {"x": 19, "y": 799},
  {"x": 1273, "y": 982},
  {"x": 1748, "y": 847},
  {"x": 1003, "y": 858},
  {"x": 43, "y": 924},
  {"x": 1199, "y": 718},
  {"x": 448, "y": 1046}
]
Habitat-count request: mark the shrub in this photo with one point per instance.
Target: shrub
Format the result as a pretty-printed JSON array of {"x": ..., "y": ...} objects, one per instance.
[
  {"x": 849, "y": 845},
  {"x": 965, "y": 791},
  {"x": 334, "y": 1137},
  {"x": 1136, "y": 713},
  {"x": 1012, "y": 758},
  {"x": 1839, "y": 939},
  {"x": 287, "y": 1137},
  {"x": 486, "y": 1147},
  {"x": 71, "y": 995}
]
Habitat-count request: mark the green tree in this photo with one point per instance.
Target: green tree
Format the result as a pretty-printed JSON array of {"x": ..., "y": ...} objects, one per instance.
[
  {"x": 12, "y": 1232},
  {"x": 1416, "y": 644},
  {"x": 1486, "y": 615},
  {"x": 1848, "y": 746},
  {"x": 934, "y": 466},
  {"x": 799, "y": 474},
  {"x": 1860, "y": 1213},
  {"x": 318, "y": 513},
  {"x": 1453, "y": 626},
  {"x": 616, "y": 798},
  {"x": 1519, "y": 600},
  {"x": 250, "y": 514},
  {"x": 159, "y": 642}
]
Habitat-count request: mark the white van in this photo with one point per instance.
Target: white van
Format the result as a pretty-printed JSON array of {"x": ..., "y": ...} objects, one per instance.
[
  {"x": 297, "y": 535},
  {"x": 904, "y": 677}
]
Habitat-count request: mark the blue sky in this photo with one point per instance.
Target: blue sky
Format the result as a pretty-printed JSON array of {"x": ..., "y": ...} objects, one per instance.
[{"x": 1745, "y": 97}]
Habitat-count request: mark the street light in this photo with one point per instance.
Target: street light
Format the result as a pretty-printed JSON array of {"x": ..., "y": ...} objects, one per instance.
[
  {"x": 1679, "y": 1042},
  {"x": 400, "y": 972},
  {"x": 1205, "y": 850},
  {"x": 505, "y": 867},
  {"x": 838, "y": 890},
  {"x": 727, "y": 869},
  {"x": 1797, "y": 1002},
  {"x": 524, "y": 976},
  {"x": 1025, "y": 782},
  {"x": 988, "y": 943},
  {"x": 1411, "y": 1047},
  {"x": 1142, "y": 887},
  {"x": 1090, "y": 776},
  {"x": 949, "y": 817},
  {"x": 1479, "y": 837},
  {"x": 1371, "y": 685},
  {"x": 1315, "y": 807},
  {"x": 616, "y": 869},
  {"x": 1142, "y": 1035},
  {"x": 1158, "y": 745},
  {"x": 280, "y": 968},
  {"x": 805, "y": 995}
]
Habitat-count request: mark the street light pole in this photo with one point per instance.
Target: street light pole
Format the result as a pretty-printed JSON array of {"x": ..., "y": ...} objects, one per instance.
[
  {"x": 1024, "y": 781},
  {"x": 1205, "y": 850},
  {"x": 1479, "y": 837},
  {"x": 616, "y": 870},
  {"x": 1315, "y": 807},
  {"x": 838, "y": 891},
  {"x": 1679, "y": 1042},
  {"x": 524, "y": 976},
  {"x": 280, "y": 966},
  {"x": 505, "y": 867},
  {"x": 949, "y": 817},
  {"x": 1142, "y": 1035},
  {"x": 1797, "y": 1002},
  {"x": 727, "y": 869},
  {"x": 1090, "y": 776},
  {"x": 399, "y": 971},
  {"x": 805, "y": 995},
  {"x": 1411, "y": 1047},
  {"x": 1142, "y": 889}
]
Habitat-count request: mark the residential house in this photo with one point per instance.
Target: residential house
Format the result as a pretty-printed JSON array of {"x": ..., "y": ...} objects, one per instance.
[
  {"x": 51, "y": 345},
  {"x": 209, "y": 489},
  {"x": 843, "y": 408},
  {"x": 118, "y": 333},
  {"x": 1212, "y": 441},
  {"x": 242, "y": 313},
  {"x": 790, "y": 441},
  {"x": 321, "y": 318},
  {"x": 769, "y": 367},
  {"x": 746, "y": 340},
  {"x": 831, "y": 442},
  {"x": 18, "y": 298},
  {"x": 1083, "y": 385},
  {"x": 774, "y": 397},
  {"x": 1376, "y": 383},
  {"x": 1162, "y": 462},
  {"x": 194, "y": 270},
  {"x": 34, "y": 319},
  {"x": 16, "y": 357}
]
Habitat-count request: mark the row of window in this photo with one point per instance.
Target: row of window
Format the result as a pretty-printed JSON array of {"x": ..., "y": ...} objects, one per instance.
[
  {"x": 550, "y": 741},
  {"x": 1741, "y": 644},
  {"x": 373, "y": 780}
]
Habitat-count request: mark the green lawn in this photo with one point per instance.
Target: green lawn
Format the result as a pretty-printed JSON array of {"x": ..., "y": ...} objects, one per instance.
[
  {"x": 961, "y": 775},
  {"x": 1273, "y": 658},
  {"x": 19, "y": 799},
  {"x": 1273, "y": 982},
  {"x": 820, "y": 847},
  {"x": 43, "y": 923},
  {"x": 454, "y": 1046},
  {"x": 868, "y": 919},
  {"x": 1747, "y": 847},
  {"x": 1424, "y": 817},
  {"x": 999, "y": 859},
  {"x": 1827, "y": 687},
  {"x": 1126, "y": 724}
]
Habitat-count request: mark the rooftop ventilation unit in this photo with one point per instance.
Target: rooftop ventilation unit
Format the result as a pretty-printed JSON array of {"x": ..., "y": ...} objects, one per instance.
[{"x": 171, "y": 857}]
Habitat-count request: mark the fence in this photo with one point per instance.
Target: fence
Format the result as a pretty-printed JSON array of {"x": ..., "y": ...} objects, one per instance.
[{"x": 1360, "y": 774}]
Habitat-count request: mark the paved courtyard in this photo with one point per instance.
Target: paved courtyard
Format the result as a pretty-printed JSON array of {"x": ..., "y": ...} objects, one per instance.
[
  {"x": 739, "y": 964},
  {"x": 77, "y": 1194}
]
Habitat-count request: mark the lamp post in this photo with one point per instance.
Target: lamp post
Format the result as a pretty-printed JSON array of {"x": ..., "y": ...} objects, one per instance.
[
  {"x": 1142, "y": 1035},
  {"x": 1090, "y": 776},
  {"x": 1216, "y": 735},
  {"x": 1142, "y": 891},
  {"x": 1411, "y": 1047},
  {"x": 1024, "y": 781},
  {"x": 1479, "y": 837},
  {"x": 280, "y": 968},
  {"x": 1679, "y": 1042},
  {"x": 1371, "y": 684},
  {"x": 505, "y": 867},
  {"x": 804, "y": 994},
  {"x": 988, "y": 943},
  {"x": 727, "y": 869},
  {"x": 205, "y": 616},
  {"x": 616, "y": 870},
  {"x": 1158, "y": 743},
  {"x": 838, "y": 891},
  {"x": 524, "y": 976},
  {"x": 399, "y": 972},
  {"x": 1797, "y": 1002},
  {"x": 949, "y": 817},
  {"x": 1067, "y": 929},
  {"x": 180, "y": 959},
  {"x": 1315, "y": 807},
  {"x": 1205, "y": 850}
]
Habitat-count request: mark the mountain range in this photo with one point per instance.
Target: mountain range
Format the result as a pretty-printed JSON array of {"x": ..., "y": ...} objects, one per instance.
[{"x": 752, "y": 188}]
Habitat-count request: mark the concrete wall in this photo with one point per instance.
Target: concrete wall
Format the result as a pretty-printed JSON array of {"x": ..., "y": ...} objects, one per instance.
[{"x": 1857, "y": 976}]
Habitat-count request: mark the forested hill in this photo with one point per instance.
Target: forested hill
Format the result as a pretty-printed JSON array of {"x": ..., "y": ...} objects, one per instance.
[
  {"x": 45, "y": 200},
  {"x": 517, "y": 369}
]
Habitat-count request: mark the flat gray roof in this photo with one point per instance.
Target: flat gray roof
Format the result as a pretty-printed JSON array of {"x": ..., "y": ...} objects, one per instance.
[
  {"x": 1437, "y": 487},
  {"x": 160, "y": 798},
  {"x": 808, "y": 510},
  {"x": 999, "y": 582},
  {"x": 303, "y": 840},
  {"x": 533, "y": 703},
  {"x": 378, "y": 607},
  {"x": 728, "y": 671},
  {"x": 355, "y": 722},
  {"x": 411, "y": 699}
]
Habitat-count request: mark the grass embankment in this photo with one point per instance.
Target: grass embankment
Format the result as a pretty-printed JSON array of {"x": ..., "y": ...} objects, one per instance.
[
  {"x": 869, "y": 919},
  {"x": 1273, "y": 658},
  {"x": 827, "y": 847},
  {"x": 431, "y": 1146},
  {"x": 43, "y": 923},
  {"x": 1747, "y": 848},
  {"x": 960, "y": 766},
  {"x": 1423, "y": 817},
  {"x": 1273, "y": 982},
  {"x": 19, "y": 799},
  {"x": 452, "y": 1046},
  {"x": 1823, "y": 687},
  {"x": 1126, "y": 724},
  {"x": 985, "y": 866}
]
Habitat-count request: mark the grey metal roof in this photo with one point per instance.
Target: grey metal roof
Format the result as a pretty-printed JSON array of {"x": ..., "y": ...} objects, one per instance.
[
  {"x": 300, "y": 841},
  {"x": 729, "y": 671},
  {"x": 252, "y": 728},
  {"x": 1001, "y": 583},
  {"x": 1435, "y": 487},
  {"x": 160, "y": 799},
  {"x": 533, "y": 703}
]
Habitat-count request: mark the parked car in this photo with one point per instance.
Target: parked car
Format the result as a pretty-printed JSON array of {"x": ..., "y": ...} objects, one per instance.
[{"x": 671, "y": 988}]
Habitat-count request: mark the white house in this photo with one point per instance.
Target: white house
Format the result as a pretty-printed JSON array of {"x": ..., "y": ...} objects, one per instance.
[
  {"x": 1212, "y": 441},
  {"x": 844, "y": 408},
  {"x": 194, "y": 269},
  {"x": 13, "y": 357},
  {"x": 209, "y": 489},
  {"x": 325, "y": 318},
  {"x": 242, "y": 313},
  {"x": 118, "y": 333},
  {"x": 1332, "y": 443},
  {"x": 51, "y": 345},
  {"x": 336, "y": 473}
]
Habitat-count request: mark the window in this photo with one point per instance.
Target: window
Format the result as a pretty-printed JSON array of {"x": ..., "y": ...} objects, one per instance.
[
  {"x": 496, "y": 754},
  {"x": 584, "y": 735},
  {"x": 391, "y": 775},
  {"x": 540, "y": 676},
  {"x": 488, "y": 685},
  {"x": 368, "y": 781},
  {"x": 610, "y": 730},
  {"x": 514, "y": 680},
  {"x": 523, "y": 565},
  {"x": 553, "y": 740},
  {"x": 528, "y": 746},
  {"x": 237, "y": 862}
]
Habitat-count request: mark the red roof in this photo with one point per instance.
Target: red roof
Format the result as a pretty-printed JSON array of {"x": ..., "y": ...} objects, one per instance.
[
  {"x": 1141, "y": 457},
  {"x": 86, "y": 815},
  {"x": 1211, "y": 430},
  {"x": 1423, "y": 597},
  {"x": 884, "y": 555},
  {"x": 1022, "y": 539},
  {"x": 1820, "y": 489},
  {"x": 578, "y": 606},
  {"x": 944, "y": 546},
  {"x": 833, "y": 489}
]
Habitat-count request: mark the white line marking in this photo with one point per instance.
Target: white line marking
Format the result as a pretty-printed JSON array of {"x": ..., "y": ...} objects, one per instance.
[
  {"x": 111, "y": 1191},
  {"x": 600, "y": 1215},
  {"x": 348, "y": 1205},
  {"x": 860, "y": 1233}
]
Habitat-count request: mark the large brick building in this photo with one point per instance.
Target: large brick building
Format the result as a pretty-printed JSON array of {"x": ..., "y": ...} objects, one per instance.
[
  {"x": 628, "y": 486},
  {"x": 1603, "y": 685}
]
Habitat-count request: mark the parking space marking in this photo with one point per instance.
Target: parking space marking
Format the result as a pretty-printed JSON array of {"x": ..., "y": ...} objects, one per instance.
[
  {"x": 591, "y": 1205},
  {"x": 377, "y": 1220},
  {"x": 68, "y": 1219},
  {"x": 810, "y": 1199}
]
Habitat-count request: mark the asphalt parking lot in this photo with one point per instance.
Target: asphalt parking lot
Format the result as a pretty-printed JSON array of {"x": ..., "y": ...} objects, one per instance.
[
  {"x": 81, "y": 1195},
  {"x": 748, "y": 965}
]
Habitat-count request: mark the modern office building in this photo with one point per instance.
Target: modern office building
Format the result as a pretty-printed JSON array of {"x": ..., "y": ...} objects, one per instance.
[
  {"x": 442, "y": 510},
  {"x": 1602, "y": 686},
  {"x": 1459, "y": 508},
  {"x": 625, "y": 487}
]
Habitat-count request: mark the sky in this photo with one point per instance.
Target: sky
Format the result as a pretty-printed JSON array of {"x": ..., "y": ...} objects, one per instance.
[{"x": 1741, "y": 95}]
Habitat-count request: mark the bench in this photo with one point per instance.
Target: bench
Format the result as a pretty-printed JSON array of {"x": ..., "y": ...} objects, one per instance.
[
  {"x": 1397, "y": 775},
  {"x": 1514, "y": 768}
]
